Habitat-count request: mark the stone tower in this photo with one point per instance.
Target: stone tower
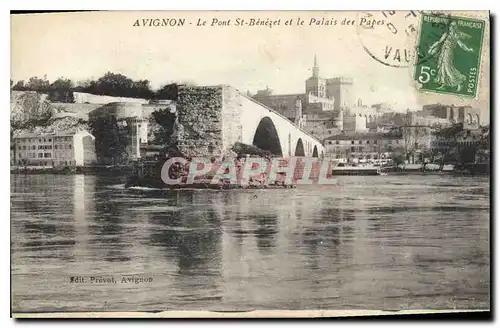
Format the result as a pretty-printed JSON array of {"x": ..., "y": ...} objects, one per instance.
[
  {"x": 315, "y": 69},
  {"x": 315, "y": 85},
  {"x": 340, "y": 89}
]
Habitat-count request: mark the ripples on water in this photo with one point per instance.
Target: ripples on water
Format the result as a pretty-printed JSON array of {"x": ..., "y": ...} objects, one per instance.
[{"x": 383, "y": 242}]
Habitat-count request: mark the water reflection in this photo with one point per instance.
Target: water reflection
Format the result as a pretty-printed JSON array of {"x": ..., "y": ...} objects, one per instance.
[
  {"x": 391, "y": 246},
  {"x": 107, "y": 228},
  {"x": 54, "y": 234}
]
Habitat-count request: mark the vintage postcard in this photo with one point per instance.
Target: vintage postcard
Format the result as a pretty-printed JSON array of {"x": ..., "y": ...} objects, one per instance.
[{"x": 249, "y": 164}]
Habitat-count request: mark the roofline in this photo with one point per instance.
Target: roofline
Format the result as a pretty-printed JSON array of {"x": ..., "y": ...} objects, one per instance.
[
  {"x": 282, "y": 95},
  {"x": 42, "y": 135}
]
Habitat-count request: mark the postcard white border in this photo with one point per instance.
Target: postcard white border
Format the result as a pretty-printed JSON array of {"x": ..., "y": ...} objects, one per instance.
[{"x": 187, "y": 5}]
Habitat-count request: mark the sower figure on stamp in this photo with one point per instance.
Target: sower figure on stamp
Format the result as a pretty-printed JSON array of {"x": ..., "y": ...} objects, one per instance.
[{"x": 447, "y": 74}]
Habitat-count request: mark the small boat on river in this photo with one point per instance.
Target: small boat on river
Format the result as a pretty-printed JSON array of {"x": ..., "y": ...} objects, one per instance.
[{"x": 352, "y": 169}]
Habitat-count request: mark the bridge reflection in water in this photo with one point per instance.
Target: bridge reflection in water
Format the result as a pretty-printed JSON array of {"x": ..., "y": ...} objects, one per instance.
[{"x": 398, "y": 244}]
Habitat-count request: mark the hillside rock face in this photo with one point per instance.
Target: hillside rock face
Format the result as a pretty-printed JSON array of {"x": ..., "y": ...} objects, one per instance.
[
  {"x": 27, "y": 108},
  {"x": 31, "y": 113},
  {"x": 54, "y": 126}
]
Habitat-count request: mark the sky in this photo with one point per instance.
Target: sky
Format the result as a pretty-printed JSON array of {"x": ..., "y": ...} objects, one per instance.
[{"x": 86, "y": 45}]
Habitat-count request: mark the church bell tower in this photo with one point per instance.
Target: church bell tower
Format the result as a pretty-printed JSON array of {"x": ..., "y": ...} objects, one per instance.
[
  {"x": 316, "y": 85},
  {"x": 315, "y": 67}
]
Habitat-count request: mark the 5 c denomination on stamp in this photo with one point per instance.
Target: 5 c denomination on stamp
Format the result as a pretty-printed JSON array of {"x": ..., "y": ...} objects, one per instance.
[{"x": 449, "y": 54}]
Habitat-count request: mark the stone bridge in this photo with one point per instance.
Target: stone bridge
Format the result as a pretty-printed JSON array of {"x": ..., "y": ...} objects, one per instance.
[{"x": 212, "y": 119}]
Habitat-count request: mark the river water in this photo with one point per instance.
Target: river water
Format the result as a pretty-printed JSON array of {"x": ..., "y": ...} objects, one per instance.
[{"x": 374, "y": 242}]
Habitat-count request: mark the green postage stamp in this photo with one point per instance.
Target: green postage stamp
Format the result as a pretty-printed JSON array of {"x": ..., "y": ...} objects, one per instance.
[{"x": 449, "y": 54}]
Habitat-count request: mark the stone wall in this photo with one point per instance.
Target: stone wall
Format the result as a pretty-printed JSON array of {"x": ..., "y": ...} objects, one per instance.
[
  {"x": 199, "y": 111},
  {"x": 83, "y": 97},
  {"x": 233, "y": 103}
]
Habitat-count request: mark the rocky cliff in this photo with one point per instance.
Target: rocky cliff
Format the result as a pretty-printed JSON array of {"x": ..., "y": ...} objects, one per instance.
[{"x": 31, "y": 113}]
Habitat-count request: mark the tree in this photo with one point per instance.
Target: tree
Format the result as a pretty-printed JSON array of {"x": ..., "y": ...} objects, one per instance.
[
  {"x": 111, "y": 140},
  {"x": 166, "y": 120},
  {"x": 398, "y": 158},
  {"x": 19, "y": 86},
  {"x": 112, "y": 84},
  {"x": 38, "y": 84},
  {"x": 116, "y": 85},
  {"x": 168, "y": 91},
  {"x": 61, "y": 91},
  {"x": 141, "y": 89}
]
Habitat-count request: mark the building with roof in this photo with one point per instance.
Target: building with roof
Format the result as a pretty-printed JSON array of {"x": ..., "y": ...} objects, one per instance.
[
  {"x": 458, "y": 143},
  {"x": 470, "y": 116},
  {"x": 67, "y": 149},
  {"x": 363, "y": 146}
]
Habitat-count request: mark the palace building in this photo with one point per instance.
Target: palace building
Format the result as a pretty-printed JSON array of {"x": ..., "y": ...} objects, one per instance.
[{"x": 320, "y": 109}]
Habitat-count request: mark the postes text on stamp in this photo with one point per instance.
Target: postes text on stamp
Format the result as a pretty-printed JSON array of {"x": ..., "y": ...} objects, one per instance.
[{"x": 449, "y": 54}]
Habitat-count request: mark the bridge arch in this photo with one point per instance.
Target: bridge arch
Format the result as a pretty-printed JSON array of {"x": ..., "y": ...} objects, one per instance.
[
  {"x": 266, "y": 137},
  {"x": 315, "y": 151},
  {"x": 299, "y": 148},
  {"x": 469, "y": 118},
  {"x": 477, "y": 120}
]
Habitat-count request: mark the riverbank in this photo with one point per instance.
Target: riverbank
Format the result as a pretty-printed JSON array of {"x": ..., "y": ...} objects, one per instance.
[
  {"x": 97, "y": 170},
  {"x": 420, "y": 169}
]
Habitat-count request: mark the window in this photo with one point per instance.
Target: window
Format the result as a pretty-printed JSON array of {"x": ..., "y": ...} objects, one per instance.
[
  {"x": 47, "y": 155},
  {"x": 329, "y": 142},
  {"x": 19, "y": 147},
  {"x": 337, "y": 142},
  {"x": 359, "y": 142},
  {"x": 34, "y": 147},
  {"x": 40, "y": 155},
  {"x": 69, "y": 146},
  {"x": 352, "y": 142},
  {"x": 375, "y": 141},
  {"x": 353, "y": 149},
  {"x": 367, "y": 142},
  {"x": 20, "y": 155},
  {"x": 50, "y": 140},
  {"x": 39, "y": 140},
  {"x": 55, "y": 146},
  {"x": 44, "y": 140}
]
